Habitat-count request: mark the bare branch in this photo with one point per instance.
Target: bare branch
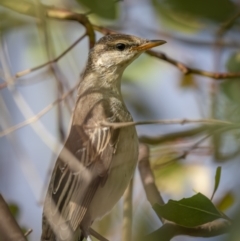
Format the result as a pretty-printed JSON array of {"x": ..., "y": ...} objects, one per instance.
[
  {"x": 9, "y": 229},
  {"x": 167, "y": 122},
  {"x": 27, "y": 71},
  {"x": 188, "y": 70},
  {"x": 175, "y": 135},
  {"x": 148, "y": 178},
  {"x": 37, "y": 116},
  {"x": 184, "y": 154}
]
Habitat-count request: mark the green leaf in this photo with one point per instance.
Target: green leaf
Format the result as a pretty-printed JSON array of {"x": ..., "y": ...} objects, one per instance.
[
  {"x": 189, "y": 212},
  {"x": 175, "y": 19},
  {"x": 217, "y": 180},
  {"x": 231, "y": 87},
  {"x": 14, "y": 209},
  {"x": 214, "y": 10},
  {"x": 226, "y": 202},
  {"x": 233, "y": 62},
  {"x": 104, "y": 8}
]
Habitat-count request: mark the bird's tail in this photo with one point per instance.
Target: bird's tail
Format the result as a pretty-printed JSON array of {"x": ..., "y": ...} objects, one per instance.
[{"x": 49, "y": 235}]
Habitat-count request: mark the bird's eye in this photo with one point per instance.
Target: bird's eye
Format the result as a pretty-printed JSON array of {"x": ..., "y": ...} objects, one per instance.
[{"x": 120, "y": 46}]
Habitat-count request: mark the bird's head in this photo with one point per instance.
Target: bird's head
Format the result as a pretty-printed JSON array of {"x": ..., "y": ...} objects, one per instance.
[{"x": 117, "y": 51}]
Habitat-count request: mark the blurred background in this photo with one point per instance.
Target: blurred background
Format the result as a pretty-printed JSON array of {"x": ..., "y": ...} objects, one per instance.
[{"x": 201, "y": 34}]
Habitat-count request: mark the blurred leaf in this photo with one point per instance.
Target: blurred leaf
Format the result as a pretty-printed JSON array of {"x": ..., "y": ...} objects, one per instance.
[
  {"x": 14, "y": 209},
  {"x": 104, "y": 8},
  {"x": 169, "y": 178},
  {"x": 226, "y": 202},
  {"x": 9, "y": 20},
  {"x": 217, "y": 180},
  {"x": 215, "y": 10},
  {"x": 187, "y": 81},
  {"x": 18, "y": 6},
  {"x": 145, "y": 63},
  {"x": 177, "y": 20},
  {"x": 142, "y": 225},
  {"x": 189, "y": 212},
  {"x": 231, "y": 87},
  {"x": 233, "y": 63}
]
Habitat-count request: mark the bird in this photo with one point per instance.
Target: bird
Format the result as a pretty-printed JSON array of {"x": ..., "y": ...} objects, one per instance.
[{"x": 97, "y": 161}]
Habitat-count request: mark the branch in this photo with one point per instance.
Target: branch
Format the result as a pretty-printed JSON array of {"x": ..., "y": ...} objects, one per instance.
[
  {"x": 167, "y": 122},
  {"x": 27, "y": 71},
  {"x": 37, "y": 116},
  {"x": 147, "y": 177},
  {"x": 216, "y": 124},
  {"x": 188, "y": 70},
  {"x": 9, "y": 229},
  {"x": 175, "y": 135},
  {"x": 184, "y": 154}
]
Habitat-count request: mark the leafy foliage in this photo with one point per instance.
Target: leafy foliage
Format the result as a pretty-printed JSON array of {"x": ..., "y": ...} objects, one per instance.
[
  {"x": 213, "y": 10},
  {"x": 189, "y": 212},
  {"x": 217, "y": 180},
  {"x": 103, "y": 8}
]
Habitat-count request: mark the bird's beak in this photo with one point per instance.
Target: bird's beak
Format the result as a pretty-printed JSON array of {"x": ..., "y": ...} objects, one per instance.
[{"x": 148, "y": 45}]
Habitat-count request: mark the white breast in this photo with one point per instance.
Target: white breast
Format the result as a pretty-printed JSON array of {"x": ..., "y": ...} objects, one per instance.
[{"x": 122, "y": 168}]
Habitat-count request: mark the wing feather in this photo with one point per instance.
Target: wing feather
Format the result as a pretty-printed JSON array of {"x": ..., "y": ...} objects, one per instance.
[{"x": 94, "y": 148}]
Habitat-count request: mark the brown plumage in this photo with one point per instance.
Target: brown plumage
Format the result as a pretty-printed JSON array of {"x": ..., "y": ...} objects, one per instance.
[{"x": 87, "y": 185}]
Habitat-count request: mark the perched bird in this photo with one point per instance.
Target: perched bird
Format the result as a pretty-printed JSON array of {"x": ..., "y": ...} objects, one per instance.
[{"x": 106, "y": 156}]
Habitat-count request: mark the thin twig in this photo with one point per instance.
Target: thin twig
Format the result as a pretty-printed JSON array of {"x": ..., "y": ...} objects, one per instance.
[
  {"x": 156, "y": 140},
  {"x": 167, "y": 122},
  {"x": 28, "y": 232},
  {"x": 27, "y": 71},
  {"x": 37, "y": 116},
  {"x": 188, "y": 70},
  {"x": 184, "y": 154}
]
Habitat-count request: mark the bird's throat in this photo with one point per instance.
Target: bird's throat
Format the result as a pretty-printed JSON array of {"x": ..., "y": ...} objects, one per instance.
[{"x": 102, "y": 79}]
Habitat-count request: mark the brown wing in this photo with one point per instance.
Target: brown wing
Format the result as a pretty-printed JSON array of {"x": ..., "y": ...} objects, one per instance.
[{"x": 93, "y": 146}]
